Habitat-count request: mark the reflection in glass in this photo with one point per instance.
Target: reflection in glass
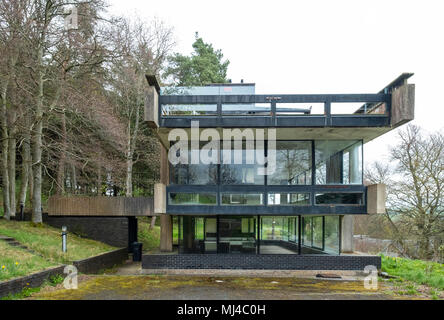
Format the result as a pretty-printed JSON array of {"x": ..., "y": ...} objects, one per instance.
[
  {"x": 293, "y": 163},
  {"x": 237, "y": 235},
  {"x": 239, "y": 199},
  {"x": 193, "y": 174},
  {"x": 338, "y": 162},
  {"x": 340, "y": 198},
  {"x": 192, "y": 198},
  {"x": 332, "y": 234},
  {"x": 246, "y": 172},
  {"x": 294, "y": 199}
]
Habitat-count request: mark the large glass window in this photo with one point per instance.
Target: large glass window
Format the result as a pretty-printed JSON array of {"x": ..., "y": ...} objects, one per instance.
[
  {"x": 192, "y": 198},
  {"x": 339, "y": 198},
  {"x": 193, "y": 174},
  {"x": 331, "y": 234},
  {"x": 338, "y": 162},
  {"x": 317, "y": 232},
  {"x": 240, "y": 167},
  {"x": 293, "y": 163},
  {"x": 242, "y": 199},
  {"x": 237, "y": 235},
  {"x": 293, "y": 199}
]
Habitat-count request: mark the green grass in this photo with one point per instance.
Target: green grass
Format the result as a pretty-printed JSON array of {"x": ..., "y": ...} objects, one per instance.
[
  {"x": 149, "y": 237},
  {"x": 46, "y": 241},
  {"x": 418, "y": 271},
  {"x": 16, "y": 262}
]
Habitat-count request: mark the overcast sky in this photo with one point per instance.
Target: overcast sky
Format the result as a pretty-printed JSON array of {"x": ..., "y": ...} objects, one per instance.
[{"x": 303, "y": 47}]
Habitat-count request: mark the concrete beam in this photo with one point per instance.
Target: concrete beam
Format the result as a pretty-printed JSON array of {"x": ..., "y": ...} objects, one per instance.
[
  {"x": 347, "y": 230},
  {"x": 160, "y": 198},
  {"x": 376, "y": 198},
  {"x": 403, "y": 105},
  {"x": 152, "y": 107}
]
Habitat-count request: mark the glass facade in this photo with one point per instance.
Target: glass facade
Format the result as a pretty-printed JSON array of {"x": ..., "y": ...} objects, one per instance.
[
  {"x": 259, "y": 234},
  {"x": 293, "y": 163},
  {"x": 338, "y": 162}
]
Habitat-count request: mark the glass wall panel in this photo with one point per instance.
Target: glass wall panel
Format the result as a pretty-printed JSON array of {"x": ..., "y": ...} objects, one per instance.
[
  {"x": 192, "y": 198},
  {"x": 240, "y": 167},
  {"x": 317, "y": 232},
  {"x": 332, "y": 234},
  {"x": 340, "y": 198},
  {"x": 338, "y": 162},
  {"x": 193, "y": 174},
  {"x": 307, "y": 231},
  {"x": 237, "y": 235},
  {"x": 293, "y": 163},
  {"x": 294, "y": 199},
  {"x": 242, "y": 199}
]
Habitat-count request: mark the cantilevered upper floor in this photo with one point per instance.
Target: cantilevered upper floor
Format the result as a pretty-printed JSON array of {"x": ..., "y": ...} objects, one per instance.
[{"x": 311, "y": 116}]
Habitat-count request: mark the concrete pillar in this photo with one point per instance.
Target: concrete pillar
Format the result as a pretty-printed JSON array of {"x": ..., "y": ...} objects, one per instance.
[
  {"x": 347, "y": 234},
  {"x": 166, "y": 233},
  {"x": 355, "y": 163}
]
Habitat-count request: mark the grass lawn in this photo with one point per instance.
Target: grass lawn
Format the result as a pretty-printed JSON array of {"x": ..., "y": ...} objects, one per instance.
[
  {"x": 413, "y": 274},
  {"x": 16, "y": 262},
  {"x": 47, "y": 242}
]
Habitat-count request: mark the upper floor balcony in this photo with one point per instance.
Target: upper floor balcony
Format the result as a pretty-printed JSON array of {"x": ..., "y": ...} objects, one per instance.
[{"x": 237, "y": 106}]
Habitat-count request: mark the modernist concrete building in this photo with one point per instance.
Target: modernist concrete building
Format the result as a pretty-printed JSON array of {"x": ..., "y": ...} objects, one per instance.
[{"x": 299, "y": 215}]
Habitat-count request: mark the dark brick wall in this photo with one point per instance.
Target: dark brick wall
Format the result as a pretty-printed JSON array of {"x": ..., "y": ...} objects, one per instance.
[
  {"x": 259, "y": 262},
  {"x": 32, "y": 281},
  {"x": 110, "y": 230},
  {"x": 104, "y": 261}
]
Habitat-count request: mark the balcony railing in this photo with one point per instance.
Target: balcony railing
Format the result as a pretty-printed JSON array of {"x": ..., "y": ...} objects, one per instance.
[{"x": 333, "y": 110}]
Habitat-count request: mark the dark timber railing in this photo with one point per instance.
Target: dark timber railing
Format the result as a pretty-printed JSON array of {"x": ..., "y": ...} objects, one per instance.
[{"x": 369, "y": 115}]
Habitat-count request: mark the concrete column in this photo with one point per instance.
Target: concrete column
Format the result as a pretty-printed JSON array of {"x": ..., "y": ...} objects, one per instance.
[
  {"x": 355, "y": 163},
  {"x": 347, "y": 234},
  {"x": 166, "y": 233}
]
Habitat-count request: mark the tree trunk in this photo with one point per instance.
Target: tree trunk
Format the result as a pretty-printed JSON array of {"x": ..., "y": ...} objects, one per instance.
[
  {"x": 5, "y": 173},
  {"x": 12, "y": 167},
  {"x": 99, "y": 181},
  {"x": 74, "y": 178},
  {"x": 26, "y": 162},
  {"x": 37, "y": 148},
  {"x": 153, "y": 222},
  {"x": 60, "y": 189}
]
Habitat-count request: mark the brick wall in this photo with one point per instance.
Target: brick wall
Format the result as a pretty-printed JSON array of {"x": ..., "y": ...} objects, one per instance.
[
  {"x": 259, "y": 262},
  {"x": 110, "y": 230}
]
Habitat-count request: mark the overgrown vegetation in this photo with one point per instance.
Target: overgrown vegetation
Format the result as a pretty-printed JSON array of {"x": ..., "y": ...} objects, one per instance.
[
  {"x": 418, "y": 271},
  {"x": 17, "y": 262},
  {"x": 149, "y": 237},
  {"x": 46, "y": 241}
]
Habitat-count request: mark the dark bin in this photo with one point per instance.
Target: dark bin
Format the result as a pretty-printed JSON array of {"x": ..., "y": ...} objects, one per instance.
[{"x": 137, "y": 251}]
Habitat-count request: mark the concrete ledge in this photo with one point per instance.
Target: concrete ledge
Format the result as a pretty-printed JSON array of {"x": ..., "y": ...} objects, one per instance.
[
  {"x": 260, "y": 262},
  {"x": 32, "y": 281},
  {"x": 104, "y": 261}
]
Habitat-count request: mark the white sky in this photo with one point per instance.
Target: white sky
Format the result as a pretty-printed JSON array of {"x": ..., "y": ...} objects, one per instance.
[{"x": 304, "y": 47}]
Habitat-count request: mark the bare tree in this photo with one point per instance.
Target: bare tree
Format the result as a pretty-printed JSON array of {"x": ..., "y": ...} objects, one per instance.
[{"x": 415, "y": 192}]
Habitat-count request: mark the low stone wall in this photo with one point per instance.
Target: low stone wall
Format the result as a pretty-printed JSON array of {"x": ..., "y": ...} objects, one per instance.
[
  {"x": 32, "y": 281},
  {"x": 101, "y": 262},
  {"x": 89, "y": 266},
  {"x": 259, "y": 262}
]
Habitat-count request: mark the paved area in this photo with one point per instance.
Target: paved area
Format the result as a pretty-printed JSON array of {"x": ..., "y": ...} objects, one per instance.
[
  {"x": 127, "y": 282},
  {"x": 155, "y": 287}
]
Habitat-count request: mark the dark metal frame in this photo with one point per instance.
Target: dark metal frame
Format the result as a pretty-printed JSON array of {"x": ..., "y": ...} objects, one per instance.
[
  {"x": 357, "y": 119},
  {"x": 265, "y": 208}
]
